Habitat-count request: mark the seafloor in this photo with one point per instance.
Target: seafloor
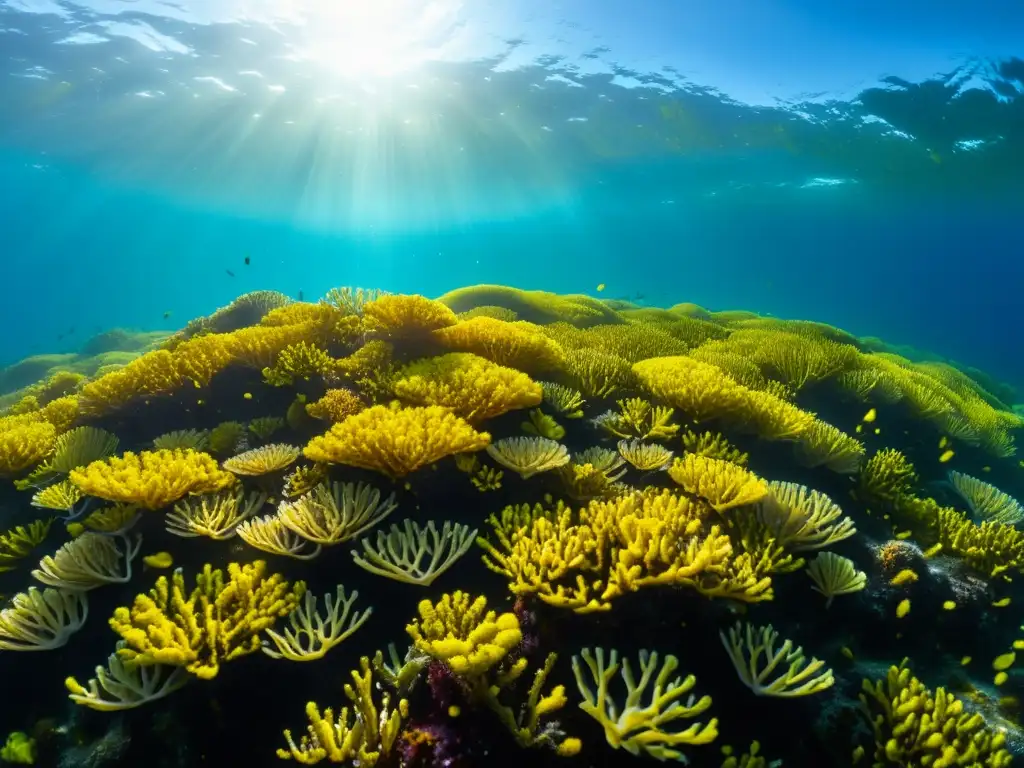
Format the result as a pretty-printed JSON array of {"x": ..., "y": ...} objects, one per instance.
[{"x": 699, "y": 494}]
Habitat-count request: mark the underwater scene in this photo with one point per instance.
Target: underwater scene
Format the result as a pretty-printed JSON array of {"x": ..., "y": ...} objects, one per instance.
[{"x": 450, "y": 383}]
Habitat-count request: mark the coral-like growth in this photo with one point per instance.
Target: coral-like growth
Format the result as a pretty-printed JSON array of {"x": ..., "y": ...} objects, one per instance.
[
  {"x": 914, "y": 725},
  {"x": 225, "y": 437},
  {"x": 396, "y": 441},
  {"x": 714, "y": 446},
  {"x": 404, "y": 316},
  {"x": 331, "y": 514},
  {"x": 543, "y": 425},
  {"x": 415, "y": 554},
  {"x": 822, "y": 444},
  {"x": 468, "y": 385},
  {"x": 41, "y": 620},
  {"x": 309, "y": 635},
  {"x": 522, "y": 346},
  {"x": 535, "y": 306},
  {"x": 18, "y": 542},
  {"x": 298, "y": 361},
  {"x": 336, "y": 405},
  {"x": 152, "y": 479},
  {"x": 215, "y": 516},
  {"x": 638, "y": 418},
  {"x": 461, "y": 632},
  {"x": 803, "y": 519},
  {"x": 270, "y": 534},
  {"x": 566, "y": 400},
  {"x": 986, "y": 501},
  {"x": 528, "y": 456},
  {"x": 89, "y": 561},
  {"x": 583, "y": 562},
  {"x": 771, "y": 671},
  {"x": 363, "y": 739},
  {"x": 834, "y": 575},
  {"x": 637, "y": 725},
  {"x": 597, "y": 374},
  {"x": 725, "y": 485},
  {"x": 886, "y": 477},
  {"x": 647, "y": 457},
  {"x": 216, "y": 622},
  {"x": 263, "y": 460},
  {"x": 71, "y": 450},
  {"x": 120, "y": 686},
  {"x": 24, "y": 444}
]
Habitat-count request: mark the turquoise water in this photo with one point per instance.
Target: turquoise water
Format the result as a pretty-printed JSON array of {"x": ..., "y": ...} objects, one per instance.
[
  {"x": 789, "y": 161},
  {"x": 635, "y": 467}
]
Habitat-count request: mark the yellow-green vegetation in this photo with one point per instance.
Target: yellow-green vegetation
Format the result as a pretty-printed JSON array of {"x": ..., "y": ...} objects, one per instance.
[
  {"x": 914, "y": 725},
  {"x": 216, "y": 622},
  {"x": 529, "y": 476}
]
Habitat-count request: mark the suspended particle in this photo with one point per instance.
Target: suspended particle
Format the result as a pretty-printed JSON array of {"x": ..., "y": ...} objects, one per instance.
[
  {"x": 903, "y": 608},
  {"x": 1004, "y": 661}
]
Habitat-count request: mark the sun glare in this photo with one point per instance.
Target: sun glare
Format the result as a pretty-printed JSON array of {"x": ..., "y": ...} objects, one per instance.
[{"x": 378, "y": 38}]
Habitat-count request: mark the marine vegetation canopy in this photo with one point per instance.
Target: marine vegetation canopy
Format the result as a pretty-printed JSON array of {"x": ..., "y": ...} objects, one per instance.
[{"x": 504, "y": 525}]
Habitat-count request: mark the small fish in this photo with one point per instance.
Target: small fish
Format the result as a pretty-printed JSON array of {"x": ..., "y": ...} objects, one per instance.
[
  {"x": 965, "y": 661},
  {"x": 230, "y": 273},
  {"x": 600, "y": 287},
  {"x": 1001, "y": 603},
  {"x": 903, "y": 608},
  {"x": 943, "y": 442},
  {"x": 247, "y": 261},
  {"x": 946, "y": 456},
  {"x": 159, "y": 560},
  {"x": 167, "y": 315},
  {"x": 247, "y": 395},
  {"x": 949, "y": 605}
]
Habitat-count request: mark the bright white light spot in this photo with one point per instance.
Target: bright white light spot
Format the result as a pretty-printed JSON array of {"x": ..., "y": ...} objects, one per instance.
[
  {"x": 251, "y": 73},
  {"x": 378, "y": 38},
  {"x": 145, "y": 35},
  {"x": 276, "y": 88},
  {"x": 824, "y": 182},
  {"x": 83, "y": 38},
  {"x": 216, "y": 81},
  {"x": 563, "y": 79}
]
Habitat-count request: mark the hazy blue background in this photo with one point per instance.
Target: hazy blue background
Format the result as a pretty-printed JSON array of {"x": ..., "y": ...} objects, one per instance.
[{"x": 861, "y": 166}]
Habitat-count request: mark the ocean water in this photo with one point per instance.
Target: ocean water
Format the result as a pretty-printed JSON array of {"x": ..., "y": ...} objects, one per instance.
[
  {"x": 861, "y": 167},
  {"x": 794, "y": 161}
]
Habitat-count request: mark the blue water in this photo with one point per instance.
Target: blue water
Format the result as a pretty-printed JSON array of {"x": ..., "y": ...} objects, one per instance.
[{"x": 863, "y": 169}]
